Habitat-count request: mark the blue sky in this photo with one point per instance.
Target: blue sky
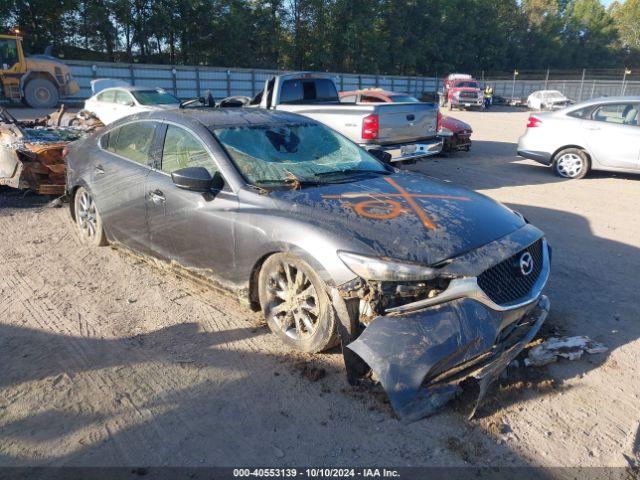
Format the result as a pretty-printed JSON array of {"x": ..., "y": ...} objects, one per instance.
[{"x": 606, "y": 3}]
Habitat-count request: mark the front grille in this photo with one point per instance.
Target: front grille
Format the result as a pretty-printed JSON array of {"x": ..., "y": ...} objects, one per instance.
[
  {"x": 469, "y": 95},
  {"x": 504, "y": 283}
]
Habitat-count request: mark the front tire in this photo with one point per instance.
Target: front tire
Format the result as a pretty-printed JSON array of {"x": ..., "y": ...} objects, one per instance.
[
  {"x": 41, "y": 93},
  {"x": 295, "y": 303},
  {"x": 571, "y": 163},
  {"x": 88, "y": 219}
]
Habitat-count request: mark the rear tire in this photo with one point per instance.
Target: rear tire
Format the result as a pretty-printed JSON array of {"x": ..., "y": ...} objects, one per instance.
[
  {"x": 295, "y": 303},
  {"x": 571, "y": 163},
  {"x": 88, "y": 219},
  {"x": 41, "y": 93}
]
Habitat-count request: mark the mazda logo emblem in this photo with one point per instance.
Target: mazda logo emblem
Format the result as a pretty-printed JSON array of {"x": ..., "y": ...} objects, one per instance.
[{"x": 526, "y": 263}]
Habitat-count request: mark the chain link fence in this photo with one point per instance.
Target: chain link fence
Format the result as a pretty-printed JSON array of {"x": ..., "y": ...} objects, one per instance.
[
  {"x": 196, "y": 81},
  {"x": 191, "y": 81},
  {"x": 577, "y": 85}
]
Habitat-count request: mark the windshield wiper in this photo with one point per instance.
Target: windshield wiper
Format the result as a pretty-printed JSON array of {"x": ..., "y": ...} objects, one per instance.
[
  {"x": 290, "y": 182},
  {"x": 350, "y": 171}
]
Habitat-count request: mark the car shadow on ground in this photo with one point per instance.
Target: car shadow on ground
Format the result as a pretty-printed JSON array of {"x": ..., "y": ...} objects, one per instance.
[
  {"x": 491, "y": 165},
  {"x": 14, "y": 198},
  {"x": 256, "y": 416}
]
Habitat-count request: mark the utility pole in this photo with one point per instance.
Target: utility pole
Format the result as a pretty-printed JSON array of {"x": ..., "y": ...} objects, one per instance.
[
  {"x": 624, "y": 79},
  {"x": 546, "y": 80},
  {"x": 584, "y": 70},
  {"x": 513, "y": 86}
]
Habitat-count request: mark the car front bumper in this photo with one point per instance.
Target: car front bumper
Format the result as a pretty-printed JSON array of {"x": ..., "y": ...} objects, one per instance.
[
  {"x": 421, "y": 358},
  {"x": 412, "y": 151},
  {"x": 467, "y": 102},
  {"x": 421, "y": 351}
]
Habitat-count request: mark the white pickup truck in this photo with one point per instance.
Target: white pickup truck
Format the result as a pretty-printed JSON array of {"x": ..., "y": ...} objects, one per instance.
[{"x": 406, "y": 131}]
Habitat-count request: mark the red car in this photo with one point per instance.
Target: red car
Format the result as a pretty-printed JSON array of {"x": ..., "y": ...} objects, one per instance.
[{"x": 459, "y": 138}]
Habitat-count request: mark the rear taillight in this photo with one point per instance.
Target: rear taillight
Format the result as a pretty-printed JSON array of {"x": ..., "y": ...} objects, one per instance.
[
  {"x": 533, "y": 122},
  {"x": 370, "y": 127},
  {"x": 439, "y": 121}
]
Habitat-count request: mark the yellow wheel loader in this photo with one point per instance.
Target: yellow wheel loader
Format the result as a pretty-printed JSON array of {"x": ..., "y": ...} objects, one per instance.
[{"x": 38, "y": 80}]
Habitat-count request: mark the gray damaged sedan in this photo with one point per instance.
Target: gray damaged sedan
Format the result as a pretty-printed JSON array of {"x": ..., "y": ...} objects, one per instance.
[{"x": 423, "y": 283}]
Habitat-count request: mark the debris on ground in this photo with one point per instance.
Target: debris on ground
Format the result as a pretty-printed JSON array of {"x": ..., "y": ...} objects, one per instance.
[
  {"x": 554, "y": 348},
  {"x": 31, "y": 152},
  {"x": 310, "y": 371}
]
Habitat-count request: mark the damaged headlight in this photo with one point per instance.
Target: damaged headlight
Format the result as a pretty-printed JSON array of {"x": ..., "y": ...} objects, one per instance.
[{"x": 385, "y": 269}]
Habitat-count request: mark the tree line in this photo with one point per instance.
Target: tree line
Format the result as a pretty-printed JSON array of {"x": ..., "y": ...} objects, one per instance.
[{"x": 403, "y": 37}]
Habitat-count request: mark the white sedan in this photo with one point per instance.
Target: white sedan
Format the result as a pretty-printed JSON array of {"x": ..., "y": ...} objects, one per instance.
[
  {"x": 547, "y": 100},
  {"x": 110, "y": 103},
  {"x": 599, "y": 134}
]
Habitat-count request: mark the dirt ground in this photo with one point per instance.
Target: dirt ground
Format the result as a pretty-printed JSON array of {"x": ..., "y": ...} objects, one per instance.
[{"x": 108, "y": 360}]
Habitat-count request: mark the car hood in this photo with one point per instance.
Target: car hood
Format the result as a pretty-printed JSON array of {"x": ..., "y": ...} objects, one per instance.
[{"x": 405, "y": 215}]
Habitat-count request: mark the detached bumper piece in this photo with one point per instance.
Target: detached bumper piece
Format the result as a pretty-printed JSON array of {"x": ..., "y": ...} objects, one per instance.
[{"x": 420, "y": 358}]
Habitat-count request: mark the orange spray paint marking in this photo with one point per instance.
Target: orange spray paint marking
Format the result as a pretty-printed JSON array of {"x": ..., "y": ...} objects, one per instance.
[{"x": 384, "y": 206}]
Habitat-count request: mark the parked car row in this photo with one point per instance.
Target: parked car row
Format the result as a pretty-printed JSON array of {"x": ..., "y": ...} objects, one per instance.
[{"x": 404, "y": 127}]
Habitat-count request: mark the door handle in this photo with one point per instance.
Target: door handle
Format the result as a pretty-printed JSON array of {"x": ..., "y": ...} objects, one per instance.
[
  {"x": 157, "y": 197},
  {"x": 593, "y": 128},
  {"x": 99, "y": 169}
]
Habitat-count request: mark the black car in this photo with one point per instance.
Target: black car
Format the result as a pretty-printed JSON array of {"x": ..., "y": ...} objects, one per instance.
[{"x": 421, "y": 281}]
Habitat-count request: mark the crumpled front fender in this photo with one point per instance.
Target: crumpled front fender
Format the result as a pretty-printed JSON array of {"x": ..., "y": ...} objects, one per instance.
[{"x": 421, "y": 357}]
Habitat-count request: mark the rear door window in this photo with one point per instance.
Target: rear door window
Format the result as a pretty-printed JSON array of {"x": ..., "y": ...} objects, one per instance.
[
  {"x": 308, "y": 91},
  {"x": 133, "y": 141},
  {"x": 619, "y": 113},
  {"x": 123, "y": 98},
  {"x": 182, "y": 149},
  {"x": 108, "y": 96},
  {"x": 370, "y": 99}
]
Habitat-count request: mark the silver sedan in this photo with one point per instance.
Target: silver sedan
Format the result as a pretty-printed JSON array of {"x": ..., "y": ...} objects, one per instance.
[{"x": 599, "y": 134}]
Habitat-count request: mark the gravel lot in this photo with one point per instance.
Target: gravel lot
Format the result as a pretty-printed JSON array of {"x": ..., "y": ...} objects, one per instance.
[{"x": 109, "y": 360}]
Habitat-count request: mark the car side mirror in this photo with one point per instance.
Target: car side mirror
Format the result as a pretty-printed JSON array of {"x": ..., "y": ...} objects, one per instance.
[
  {"x": 197, "y": 179},
  {"x": 130, "y": 103},
  {"x": 384, "y": 157}
]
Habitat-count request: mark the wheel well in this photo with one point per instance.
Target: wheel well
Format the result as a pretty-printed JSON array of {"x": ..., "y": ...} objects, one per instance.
[
  {"x": 72, "y": 196},
  {"x": 553, "y": 156},
  {"x": 254, "y": 301},
  {"x": 34, "y": 74}
]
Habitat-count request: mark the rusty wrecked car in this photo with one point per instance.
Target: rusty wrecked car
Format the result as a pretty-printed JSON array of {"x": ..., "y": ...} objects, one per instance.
[
  {"x": 31, "y": 151},
  {"x": 423, "y": 283}
]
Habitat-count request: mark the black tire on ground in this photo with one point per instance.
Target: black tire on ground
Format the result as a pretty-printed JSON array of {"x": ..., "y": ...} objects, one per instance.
[
  {"x": 41, "y": 93},
  {"x": 571, "y": 163},
  {"x": 88, "y": 219},
  {"x": 295, "y": 303}
]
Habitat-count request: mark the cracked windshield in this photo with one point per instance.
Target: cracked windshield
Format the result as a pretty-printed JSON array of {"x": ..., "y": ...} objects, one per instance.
[{"x": 296, "y": 155}]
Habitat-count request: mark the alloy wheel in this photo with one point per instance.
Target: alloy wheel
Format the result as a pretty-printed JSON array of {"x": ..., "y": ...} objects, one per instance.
[
  {"x": 294, "y": 301},
  {"x": 86, "y": 215}
]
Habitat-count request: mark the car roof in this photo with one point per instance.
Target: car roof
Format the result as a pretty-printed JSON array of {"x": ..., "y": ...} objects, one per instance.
[
  {"x": 226, "y": 117},
  {"x": 602, "y": 100},
  {"x": 133, "y": 88}
]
